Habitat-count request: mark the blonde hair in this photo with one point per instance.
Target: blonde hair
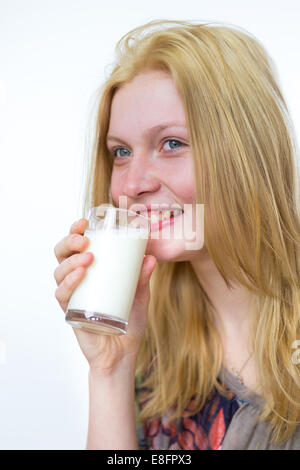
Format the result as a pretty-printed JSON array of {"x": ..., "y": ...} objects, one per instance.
[{"x": 244, "y": 153}]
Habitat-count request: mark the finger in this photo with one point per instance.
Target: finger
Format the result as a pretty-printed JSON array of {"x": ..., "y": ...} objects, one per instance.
[
  {"x": 70, "y": 264},
  {"x": 71, "y": 244},
  {"x": 142, "y": 296},
  {"x": 148, "y": 266},
  {"x": 79, "y": 226},
  {"x": 62, "y": 250},
  {"x": 65, "y": 289}
]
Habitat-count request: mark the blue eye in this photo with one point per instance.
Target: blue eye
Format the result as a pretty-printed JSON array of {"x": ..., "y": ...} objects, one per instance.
[
  {"x": 174, "y": 142},
  {"x": 114, "y": 153}
]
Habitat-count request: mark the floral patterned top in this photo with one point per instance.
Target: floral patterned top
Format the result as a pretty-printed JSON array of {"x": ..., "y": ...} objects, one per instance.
[{"x": 202, "y": 431}]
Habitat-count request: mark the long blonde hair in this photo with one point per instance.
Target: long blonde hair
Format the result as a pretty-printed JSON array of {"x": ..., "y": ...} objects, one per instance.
[{"x": 245, "y": 160}]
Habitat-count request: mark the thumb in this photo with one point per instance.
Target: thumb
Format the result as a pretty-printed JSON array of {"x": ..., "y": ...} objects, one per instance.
[
  {"x": 148, "y": 266},
  {"x": 138, "y": 318}
]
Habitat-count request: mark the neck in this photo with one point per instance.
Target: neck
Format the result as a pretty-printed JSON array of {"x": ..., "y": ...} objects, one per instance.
[
  {"x": 233, "y": 313},
  {"x": 232, "y": 306}
]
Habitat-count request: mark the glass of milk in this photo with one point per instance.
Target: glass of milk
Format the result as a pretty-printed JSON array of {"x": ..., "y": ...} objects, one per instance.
[{"x": 102, "y": 302}]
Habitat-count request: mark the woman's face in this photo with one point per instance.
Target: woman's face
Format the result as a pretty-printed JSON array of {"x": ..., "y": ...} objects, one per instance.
[{"x": 153, "y": 164}]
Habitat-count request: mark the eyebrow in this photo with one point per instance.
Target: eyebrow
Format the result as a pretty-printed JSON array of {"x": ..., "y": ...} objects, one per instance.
[{"x": 151, "y": 130}]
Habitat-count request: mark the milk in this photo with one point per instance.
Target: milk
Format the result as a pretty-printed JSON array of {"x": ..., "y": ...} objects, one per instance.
[{"x": 110, "y": 281}]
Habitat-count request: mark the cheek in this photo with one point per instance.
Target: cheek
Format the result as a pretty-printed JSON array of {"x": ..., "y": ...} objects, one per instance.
[
  {"x": 115, "y": 187},
  {"x": 183, "y": 181}
]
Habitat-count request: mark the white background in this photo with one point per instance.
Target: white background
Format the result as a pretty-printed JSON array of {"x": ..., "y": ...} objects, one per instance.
[{"x": 53, "y": 56}]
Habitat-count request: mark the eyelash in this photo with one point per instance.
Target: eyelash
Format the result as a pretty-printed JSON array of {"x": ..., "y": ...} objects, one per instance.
[{"x": 114, "y": 151}]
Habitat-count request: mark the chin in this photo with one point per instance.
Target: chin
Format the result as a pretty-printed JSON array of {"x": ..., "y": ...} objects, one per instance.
[{"x": 169, "y": 250}]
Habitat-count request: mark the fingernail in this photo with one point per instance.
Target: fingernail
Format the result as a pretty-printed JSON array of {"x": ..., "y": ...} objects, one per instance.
[{"x": 75, "y": 224}]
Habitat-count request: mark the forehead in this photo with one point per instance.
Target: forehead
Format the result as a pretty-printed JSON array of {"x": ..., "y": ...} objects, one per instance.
[{"x": 149, "y": 98}]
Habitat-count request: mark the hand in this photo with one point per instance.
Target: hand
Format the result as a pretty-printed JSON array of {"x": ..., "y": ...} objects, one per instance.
[{"x": 103, "y": 352}]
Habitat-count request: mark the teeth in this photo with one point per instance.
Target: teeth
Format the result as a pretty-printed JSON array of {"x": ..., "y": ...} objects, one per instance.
[
  {"x": 177, "y": 212},
  {"x": 165, "y": 215},
  {"x": 154, "y": 218}
]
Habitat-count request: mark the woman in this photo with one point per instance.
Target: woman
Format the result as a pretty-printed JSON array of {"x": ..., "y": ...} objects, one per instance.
[{"x": 192, "y": 114}]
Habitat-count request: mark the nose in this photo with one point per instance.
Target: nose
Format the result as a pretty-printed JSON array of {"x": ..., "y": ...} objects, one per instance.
[{"x": 141, "y": 177}]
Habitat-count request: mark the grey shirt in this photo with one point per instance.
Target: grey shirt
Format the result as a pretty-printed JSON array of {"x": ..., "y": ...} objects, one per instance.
[{"x": 244, "y": 432}]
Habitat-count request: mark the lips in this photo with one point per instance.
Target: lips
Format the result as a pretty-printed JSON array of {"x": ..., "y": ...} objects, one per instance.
[{"x": 164, "y": 222}]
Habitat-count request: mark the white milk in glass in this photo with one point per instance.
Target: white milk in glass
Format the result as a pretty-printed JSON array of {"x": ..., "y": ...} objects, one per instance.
[{"x": 105, "y": 295}]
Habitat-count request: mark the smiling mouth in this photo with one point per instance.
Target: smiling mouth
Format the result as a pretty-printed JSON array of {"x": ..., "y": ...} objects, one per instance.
[
  {"x": 159, "y": 218},
  {"x": 161, "y": 214}
]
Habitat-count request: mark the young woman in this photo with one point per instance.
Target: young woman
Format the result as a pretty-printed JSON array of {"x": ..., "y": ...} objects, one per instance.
[{"x": 193, "y": 114}]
